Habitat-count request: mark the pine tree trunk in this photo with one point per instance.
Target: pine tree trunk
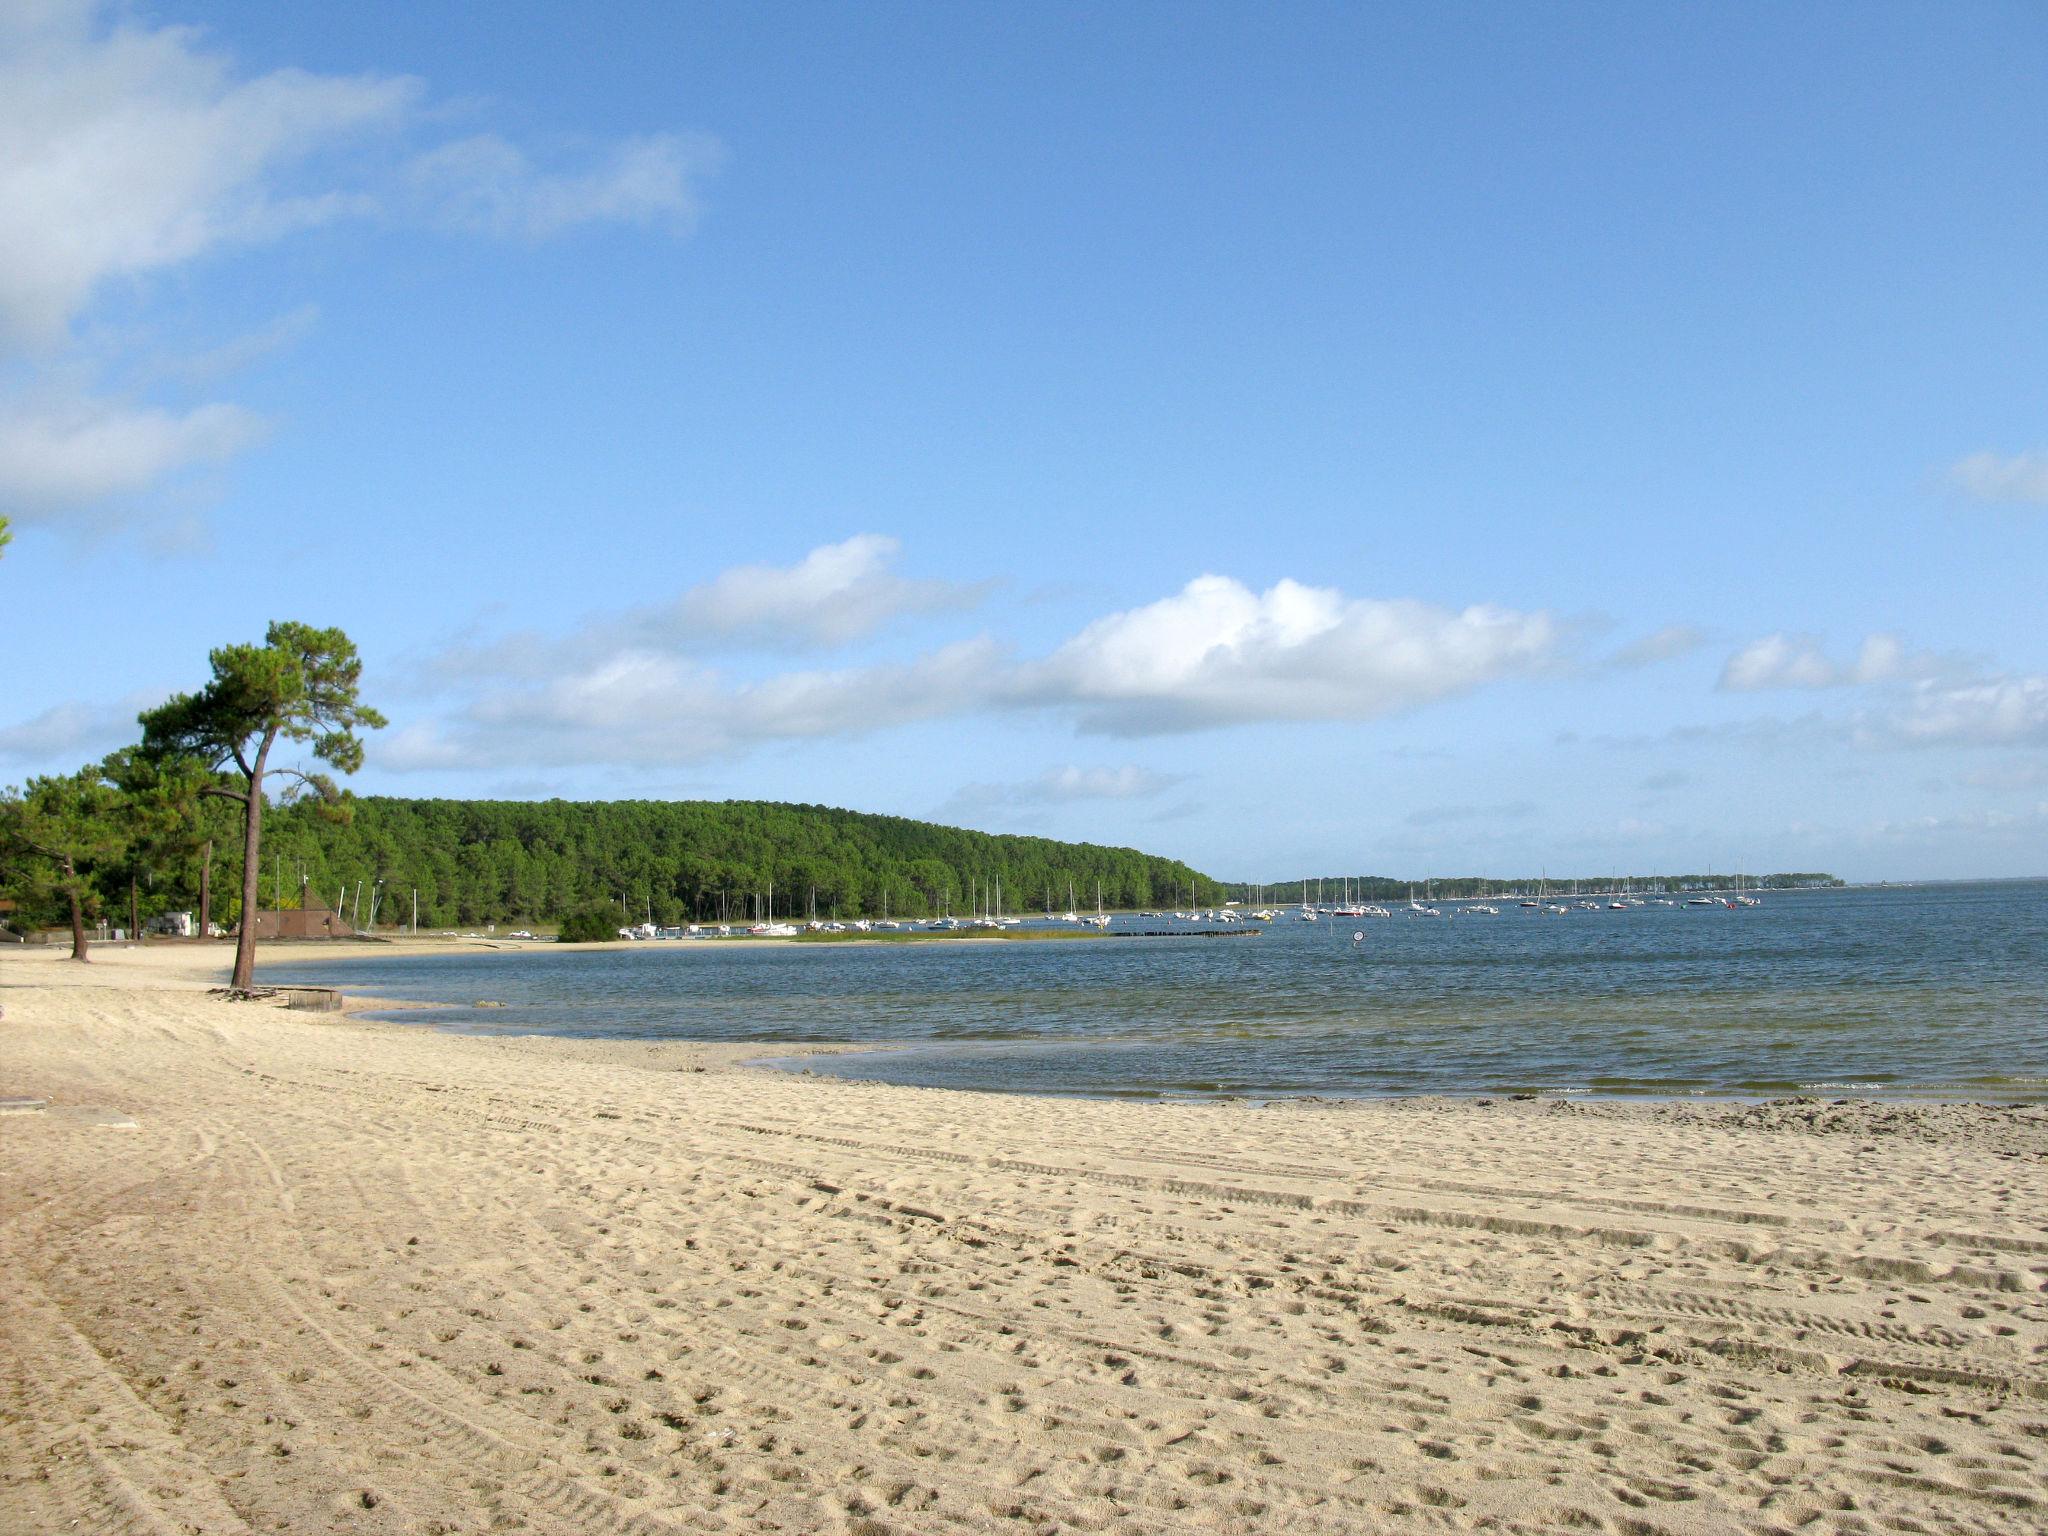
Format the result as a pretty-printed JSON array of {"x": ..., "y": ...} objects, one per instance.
[
  {"x": 77, "y": 918},
  {"x": 206, "y": 891},
  {"x": 134, "y": 913},
  {"x": 252, "y": 872}
]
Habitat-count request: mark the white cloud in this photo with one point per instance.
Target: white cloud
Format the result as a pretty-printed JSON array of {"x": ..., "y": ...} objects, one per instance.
[
  {"x": 2001, "y": 711},
  {"x": 485, "y": 184},
  {"x": 643, "y": 708},
  {"x": 1066, "y": 786},
  {"x": 57, "y": 456},
  {"x": 65, "y": 735},
  {"x": 1798, "y": 661},
  {"x": 629, "y": 690},
  {"x": 1920, "y": 698},
  {"x": 837, "y": 594},
  {"x": 2020, "y": 477},
  {"x": 1778, "y": 661},
  {"x": 130, "y": 150},
  {"x": 1218, "y": 653}
]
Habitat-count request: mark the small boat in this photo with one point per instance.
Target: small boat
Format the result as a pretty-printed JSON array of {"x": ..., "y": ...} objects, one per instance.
[{"x": 1101, "y": 918}]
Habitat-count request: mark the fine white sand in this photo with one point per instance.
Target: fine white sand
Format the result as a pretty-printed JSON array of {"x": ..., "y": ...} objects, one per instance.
[{"x": 273, "y": 1271}]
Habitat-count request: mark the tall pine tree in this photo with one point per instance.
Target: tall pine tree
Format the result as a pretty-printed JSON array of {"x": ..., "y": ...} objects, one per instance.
[{"x": 300, "y": 686}]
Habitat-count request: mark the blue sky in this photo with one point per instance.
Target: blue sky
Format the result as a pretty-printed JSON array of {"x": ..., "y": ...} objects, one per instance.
[{"x": 1424, "y": 440}]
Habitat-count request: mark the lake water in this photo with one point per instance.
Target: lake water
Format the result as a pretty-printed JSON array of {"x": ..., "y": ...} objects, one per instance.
[{"x": 1935, "y": 991}]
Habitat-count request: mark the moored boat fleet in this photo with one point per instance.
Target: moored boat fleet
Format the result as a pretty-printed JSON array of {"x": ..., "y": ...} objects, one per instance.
[
  {"x": 1308, "y": 909},
  {"x": 1542, "y": 900}
]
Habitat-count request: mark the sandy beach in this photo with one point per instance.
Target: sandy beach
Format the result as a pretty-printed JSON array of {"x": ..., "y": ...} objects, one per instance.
[{"x": 281, "y": 1271}]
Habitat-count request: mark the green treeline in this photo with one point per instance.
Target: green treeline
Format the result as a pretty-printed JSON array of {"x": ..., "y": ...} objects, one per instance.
[
  {"x": 521, "y": 862},
  {"x": 1387, "y": 888}
]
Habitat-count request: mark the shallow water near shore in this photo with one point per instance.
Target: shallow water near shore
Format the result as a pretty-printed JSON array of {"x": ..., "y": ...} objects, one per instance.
[{"x": 1929, "y": 991}]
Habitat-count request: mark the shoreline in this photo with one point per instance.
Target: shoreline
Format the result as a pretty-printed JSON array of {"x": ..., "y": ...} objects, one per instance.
[
  {"x": 316, "y": 952},
  {"x": 273, "y": 1269}
]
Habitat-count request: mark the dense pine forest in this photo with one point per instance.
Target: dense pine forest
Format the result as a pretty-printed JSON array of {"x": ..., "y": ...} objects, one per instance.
[
  {"x": 524, "y": 862},
  {"x": 165, "y": 827}
]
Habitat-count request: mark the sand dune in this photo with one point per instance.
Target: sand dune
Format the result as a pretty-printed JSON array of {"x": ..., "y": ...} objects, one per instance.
[{"x": 358, "y": 1277}]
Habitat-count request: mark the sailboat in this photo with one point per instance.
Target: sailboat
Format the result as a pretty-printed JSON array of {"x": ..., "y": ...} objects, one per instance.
[
  {"x": 771, "y": 929},
  {"x": 1101, "y": 918}
]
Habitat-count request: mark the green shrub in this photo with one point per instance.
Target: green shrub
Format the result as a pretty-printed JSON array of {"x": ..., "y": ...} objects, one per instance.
[{"x": 590, "y": 925}]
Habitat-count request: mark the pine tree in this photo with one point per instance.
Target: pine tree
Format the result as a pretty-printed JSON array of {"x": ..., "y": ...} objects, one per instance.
[
  {"x": 56, "y": 833},
  {"x": 300, "y": 684}
]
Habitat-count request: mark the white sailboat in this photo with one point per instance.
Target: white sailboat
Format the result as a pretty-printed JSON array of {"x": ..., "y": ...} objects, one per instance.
[{"x": 1101, "y": 918}]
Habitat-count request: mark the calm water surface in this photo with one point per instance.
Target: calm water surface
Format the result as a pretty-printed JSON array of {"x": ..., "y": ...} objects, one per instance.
[{"x": 1935, "y": 991}]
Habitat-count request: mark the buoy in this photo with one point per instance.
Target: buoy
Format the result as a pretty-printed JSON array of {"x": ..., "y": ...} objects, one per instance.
[{"x": 1358, "y": 937}]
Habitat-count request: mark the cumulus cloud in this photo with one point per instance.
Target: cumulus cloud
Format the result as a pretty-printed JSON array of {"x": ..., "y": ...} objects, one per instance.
[
  {"x": 1218, "y": 653},
  {"x": 1799, "y": 661},
  {"x": 1999, "y": 711},
  {"x": 1778, "y": 661},
  {"x": 484, "y": 183},
  {"x": 1066, "y": 786},
  {"x": 59, "y": 455},
  {"x": 837, "y": 594},
  {"x": 2019, "y": 477},
  {"x": 633, "y": 689},
  {"x": 642, "y": 708},
  {"x": 1918, "y": 698}
]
